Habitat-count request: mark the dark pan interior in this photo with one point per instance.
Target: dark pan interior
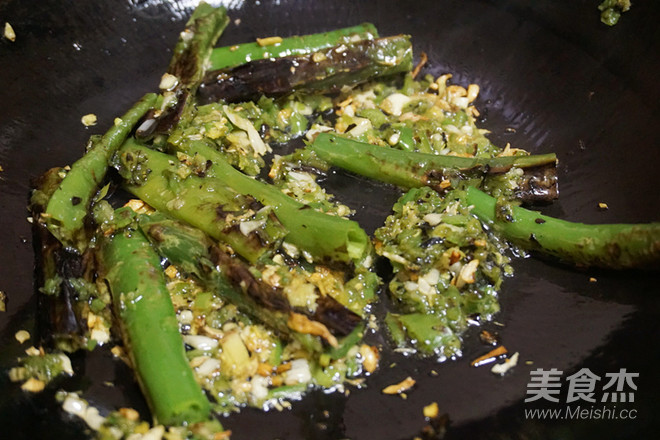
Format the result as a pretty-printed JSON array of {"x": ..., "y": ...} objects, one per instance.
[{"x": 553, "y": 79}]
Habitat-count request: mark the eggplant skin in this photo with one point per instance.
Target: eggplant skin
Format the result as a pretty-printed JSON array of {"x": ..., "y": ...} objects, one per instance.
[{"x": 328, "y": 70}]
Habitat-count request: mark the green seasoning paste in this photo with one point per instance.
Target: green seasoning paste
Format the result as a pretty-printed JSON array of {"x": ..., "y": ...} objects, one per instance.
[
  {"x": 611, "y": 10},
  {"x": 447, "y": 270}
]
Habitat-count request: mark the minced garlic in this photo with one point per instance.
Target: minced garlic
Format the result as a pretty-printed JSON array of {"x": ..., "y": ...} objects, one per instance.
[
  {"x": 489, "y": 357},
  {"x": 370, "y": 357},
  {"x": 33, "y": 351},
  {"x": 399, "y": 388},
  {"x": 269, "y": 41},
  {"x": 33, "y": 385},
  {"x": 9, "y": 32},
  {"x": 431, "y": 410},
  {"x": 168, "y": 82},
  {"x": 508, "y": 364},
  {"x": 88, "y": 119},
  {"x": 22, "y": 336}
]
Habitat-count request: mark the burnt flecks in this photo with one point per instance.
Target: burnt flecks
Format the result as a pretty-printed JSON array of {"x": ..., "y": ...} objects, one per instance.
[
  {"x": 430, "y": 242},
  {"x": 539, "y": 184},
  {"x": 335, "y": 316},
  {"x": 241, "y": 278}
]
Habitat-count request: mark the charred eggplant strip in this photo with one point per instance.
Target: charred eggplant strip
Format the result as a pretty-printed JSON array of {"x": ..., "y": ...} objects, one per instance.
[
  {"x": 68, "y": 206},
  {"x": 323, "y": 236},
  {"x": 187, "y": 67},
  {"x": 150, "y": 330},
  {"x": 411, "y": 169},
  {"x": 327, "y": 69},
  {"x": 193, "y": 252},
  {"x": 615, "y": 246},
  {"x": 230, "y": 56},
  {"x": 209, "y": 204}
]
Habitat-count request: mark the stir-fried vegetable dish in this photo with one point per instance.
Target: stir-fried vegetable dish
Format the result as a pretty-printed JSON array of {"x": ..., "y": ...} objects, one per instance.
[{"x": 196, "y": 239}]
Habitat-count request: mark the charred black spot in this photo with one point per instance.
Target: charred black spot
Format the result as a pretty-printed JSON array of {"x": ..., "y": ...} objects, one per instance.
[
  {"x": 242, "y": 279},
  {"x": 425, "y": 227},
  {"x": 539, "y": 221},
  {"x": 335, "y": 316},
  {"x": 435, "y": 176},
  {"x": 163, "y": 123},
  {"x": 539, "y": 184},
  {"x": 221, "y": 212},
  {"x": 288, "y": 260},
  {"x": 430, "y": 242},
  {"x": 75, "y": 200},
  {"x": 254, "y": 204},
  {"x": 157, "y": 232},
  {"x": 614, "y": 250},
  {"x": 312, "y": 170},
  {"x": 254, "y": 239}
]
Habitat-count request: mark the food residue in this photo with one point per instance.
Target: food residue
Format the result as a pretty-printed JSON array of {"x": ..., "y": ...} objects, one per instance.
[
  {"x": 505, "y": 366},
  {"x": 488, "y": 337},
  {"x": 431, "y": 410},
  {"x": 489, "y": 357},
  {"x": 22, "y": 336},
  {"x": 269, "y": 41},
  {"x": 399, "y": 388},
  {"x": 9, "y": 32},
  {"x": 88, "y": 120}
]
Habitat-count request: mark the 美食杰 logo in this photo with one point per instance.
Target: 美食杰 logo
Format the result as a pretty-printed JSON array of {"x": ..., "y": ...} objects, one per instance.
[{"x": 585, "y": 394}]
